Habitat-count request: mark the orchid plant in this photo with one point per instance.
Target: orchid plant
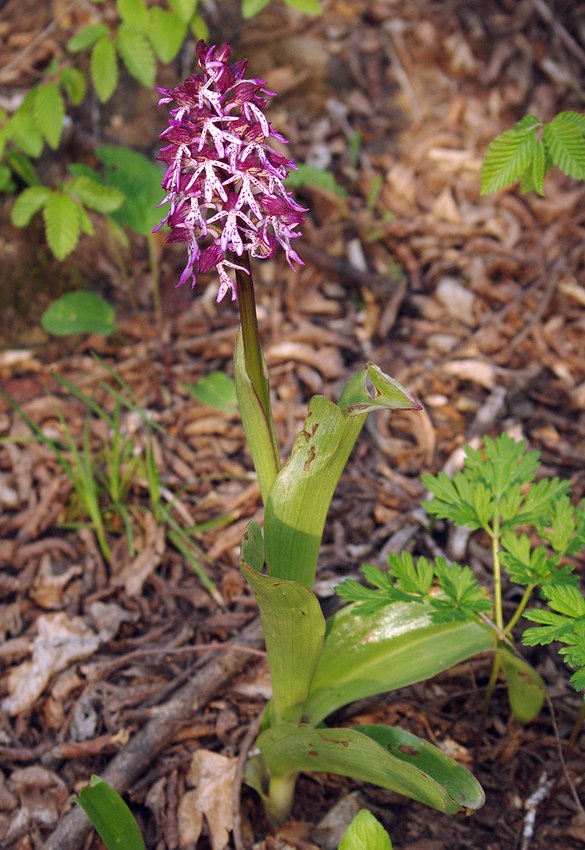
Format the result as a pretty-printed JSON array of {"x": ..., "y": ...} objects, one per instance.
[{"x": 228, "y": 201}]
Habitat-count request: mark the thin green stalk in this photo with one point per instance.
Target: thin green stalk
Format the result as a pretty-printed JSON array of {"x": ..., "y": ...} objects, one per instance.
[
  {"x": 518, "y": 612},
  {"x": 495, "y": 535},
  {"x": 155, "y": 278}
]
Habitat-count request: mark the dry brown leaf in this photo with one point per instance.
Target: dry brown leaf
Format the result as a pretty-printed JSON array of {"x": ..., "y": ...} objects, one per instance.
[
  {"x": 47, "y": 589},
  {"x": 475, "y": 371},
  {"x": 213, "y": 775},
  {"x": 137, "y": 571}
]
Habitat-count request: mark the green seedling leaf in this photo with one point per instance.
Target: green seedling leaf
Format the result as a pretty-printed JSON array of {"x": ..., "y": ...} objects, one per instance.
[
  {"x": 49, "y": 113},
  {"x": 365, "y": 832},
  {"x": 166, "y": 31},
  {"x": 526, "y": 690},
  {"x": 111, "y": 817},
  {"x": 389, "y": 649},
  {"x": 62, "y": 223},
  {"x": 87, "y": 37},
  {"x": 79, "y": 312},
  {"x": 93, "y": 194},
  {"x": 565, "y": 140},
  {"x": 507, "y": 158},
  {"x": 216, "y": 390},
  {"x": 400, "y": 762},
  {"x": 253, "y": 7},
  {"x": 309, "y": 175},
  {"x": 104, "y": 68},
  {"x": 137, "y": 54},
  {"x": 74, "y": 83},
  {"x": 293, "y": 631},
  {"x": 28, "y": 203}
]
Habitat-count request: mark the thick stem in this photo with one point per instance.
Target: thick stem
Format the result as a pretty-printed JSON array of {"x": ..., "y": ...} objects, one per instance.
[{"x": 279, "y": 801}]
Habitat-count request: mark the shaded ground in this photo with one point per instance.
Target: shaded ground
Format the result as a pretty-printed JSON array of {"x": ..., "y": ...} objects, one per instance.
[{"x": 476, "y": 305}]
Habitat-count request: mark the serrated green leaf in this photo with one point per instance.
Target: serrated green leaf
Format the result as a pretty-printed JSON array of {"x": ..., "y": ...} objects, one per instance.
[
  {"x": 527, "y": 122},
  {"x": 28, "y": 203},
  {"x": 79, "y": 312},
  {"x": 23, "y": 129},
  {"x": 93, "y": 194},
  {"x": 87, "y": 37},
  {"x": 62, "y": 224},
  {"x": 133, "y": 12},
  {"x": 506, "y": 159},
  {"x": 253, "y": 7},
  {"x": 184, "y": 8},
  {"x": 538, "y": 170},
  {"x": 140, "y": 180},
  {"x": 21, "y": 165},
  {"x": 111, "y": 817},
  {"x": 166, "y": 31},
  {"x": 576, "y": 118},
  {"x": 566, "y": 600},
  {"x": 309, "y": 7},
  {"x": 85, "y": 222},
  {"x": 75, "y": 85},
  {"x": 365, "y": 833},
  {"x": 566, "y": 143},
  {"x": 104, "y": 68},
  {"x": 6, "y": 182},
  {"x": 137, "y": 54}
]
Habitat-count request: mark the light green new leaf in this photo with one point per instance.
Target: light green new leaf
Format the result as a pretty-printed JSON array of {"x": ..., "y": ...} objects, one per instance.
[
  {"x": 25, "y": 132},
  {"x": 139, "y": 179},
  {"x": 111, "y": 817},
  {"x": 87, "y": 37},
  {"x": 216, "y": 390},
  {"x": 104, "y": 68},
  {"x": 62, "y": 224},
  {"x": 507, "y": 158},
  {"x": 438, "y": 782},
  {"x": 365, "y": 832},
  {"x": 392, "y": 648},
  {"x": 576, "y": 118},
  {"x": 526, "y": 690},
  {"x": 166, "y": 31},
  {"x": 309, "y": 7},
  {"x": 293, "y": 632},
  {"x": 28, "y": 203},
  {"x": 79, "y": 312},
  {"x": 133, "y": 12},
  {"x": 566, "y": 143},
  {"x": 184, "y": 8},
  {"x": 95, "y": 195},
  {"x": 137, "y": 54},
  {"x": 75, "y": 85},
  {"x": 49, "y": 113},
  {"x": 252, "y": 7}
]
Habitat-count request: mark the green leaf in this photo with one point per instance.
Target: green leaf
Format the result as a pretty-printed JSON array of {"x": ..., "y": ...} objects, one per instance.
[
  {"x": 526, "y": 690},
  {"x": 566, "y": 143},
  {"x": 293, "y": 632},
  {"x": 93, "y": 194},
  {"x": 28, "y": 203},
  {"x": 370, "y": 389},
  {"x": 134, "y": 12},
  {"x": 184, "y": 8},
  {"x": 49, "y": 113},
  {"x": 576, "y": 118},
  {"x": 23, "y": 129},
  {"x": 79, "y": 312},
  {"x": 464, "y": 598},
  {"x": 309, "y": 7},
  {"x": 104, "y": 68},
  {"x": 87, "y": 37},
  {"x": 62, "y": 224},
  {"x": 538, "y": 168},
  {"x": 137, "y": 54},
  {"x": 111, "y": 817},
  {"x": 390, "y": 758},
  {"x": 309, "y": 175},
  {"x": 216, "y": 390},
  {"x": 392, "y": 648},
  {"x": 166, "y": 31},
  {"x": 199, "y": 28},
  {"x": 365, "y": 833},
  {"x": 252, "y": 7},
  {"x": 6, "y": 182},
  {"x": 253, "y": 546},
  {"x": 75, "y": 85},
  {"x": 506, "y": 159},
  {"x": 140, "y": 180}
]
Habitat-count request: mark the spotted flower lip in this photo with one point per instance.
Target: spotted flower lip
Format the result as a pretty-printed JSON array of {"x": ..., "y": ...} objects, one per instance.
[{"x": 224, "y": 182}]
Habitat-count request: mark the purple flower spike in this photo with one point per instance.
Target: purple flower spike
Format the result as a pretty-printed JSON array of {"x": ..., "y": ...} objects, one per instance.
[{"x": 224, "y": 182}]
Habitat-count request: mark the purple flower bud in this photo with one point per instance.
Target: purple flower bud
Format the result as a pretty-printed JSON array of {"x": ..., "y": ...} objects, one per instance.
[{"x": 224, "y": 182}]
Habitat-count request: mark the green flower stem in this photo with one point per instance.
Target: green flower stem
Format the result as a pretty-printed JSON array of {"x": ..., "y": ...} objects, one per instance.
[
  {"x": 279, "y": 801},
  {"x": 251, "y": 334},
  {"x": 495, "y": 535},
  {"x": 521, "y": 606}
]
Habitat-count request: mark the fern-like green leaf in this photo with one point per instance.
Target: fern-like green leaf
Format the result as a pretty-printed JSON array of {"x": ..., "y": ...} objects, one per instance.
[
  {"x": 166, "y": 31},
  {"x": 507, "y": 158},
  {"x": 27, "y": 204},
  {"x": 104, "y": 68},
  {"x": 93, "y": 194},
  {"x": 49, "y": 113},
  {"x": 137, "y": 54},
  {"x": 566, "y": 143},
  {"x": 62, "y": 224}
]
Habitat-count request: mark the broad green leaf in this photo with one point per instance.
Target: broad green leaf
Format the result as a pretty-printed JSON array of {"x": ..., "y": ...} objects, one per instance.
[
  {"x": 199, "y": 28},
  {"x": 104, "y": 68},
  {"x": 566, "y": 143},
  {"x": 308, "y": 175},
  {"x": 74, "y": 83},
  {"x": 576, "y": 118},
  {"x": 526, "y": 690},
  {"x": 133, "y": 12},
  {"x": 216, "y": 390},
  {"x": 365, "y": 832},
  {"x": 28, "y": 203},
  {"x": 87, "y": 37},
  {"x": 137, "y": 54},
  {"x": 111, "y": 817},
  {"x": 79, "y": 312},
  {"x": 293, "y": 632},
  {"x": 260, "y": 433},
  {"x": 62, "y": 224},
  {"x": 140, "y": 180},
  {"x": 253, "y": 546},
  {"x": 395, "y": 647},
  {"x": 166, "y": 31},
  {"x": 506, "y": 159},
  {"x": 438, "y": 782},
  {"x": 95, "y": 195},
  {"x": 252, "y": 7},
  {"x": 23, "y": 129},
  {"x": 85, "y": 221},
  {"x": 184, "y": 8},
  {"x": 49, "y": 112},
  {"x": 309, "y": 7}
]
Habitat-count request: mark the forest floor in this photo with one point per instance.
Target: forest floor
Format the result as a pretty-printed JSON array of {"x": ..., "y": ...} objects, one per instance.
[{"x": 476, "y": 305}]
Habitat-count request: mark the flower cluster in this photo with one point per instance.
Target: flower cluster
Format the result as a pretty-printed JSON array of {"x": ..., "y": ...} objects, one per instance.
[{"x": 223, "y": 181}]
